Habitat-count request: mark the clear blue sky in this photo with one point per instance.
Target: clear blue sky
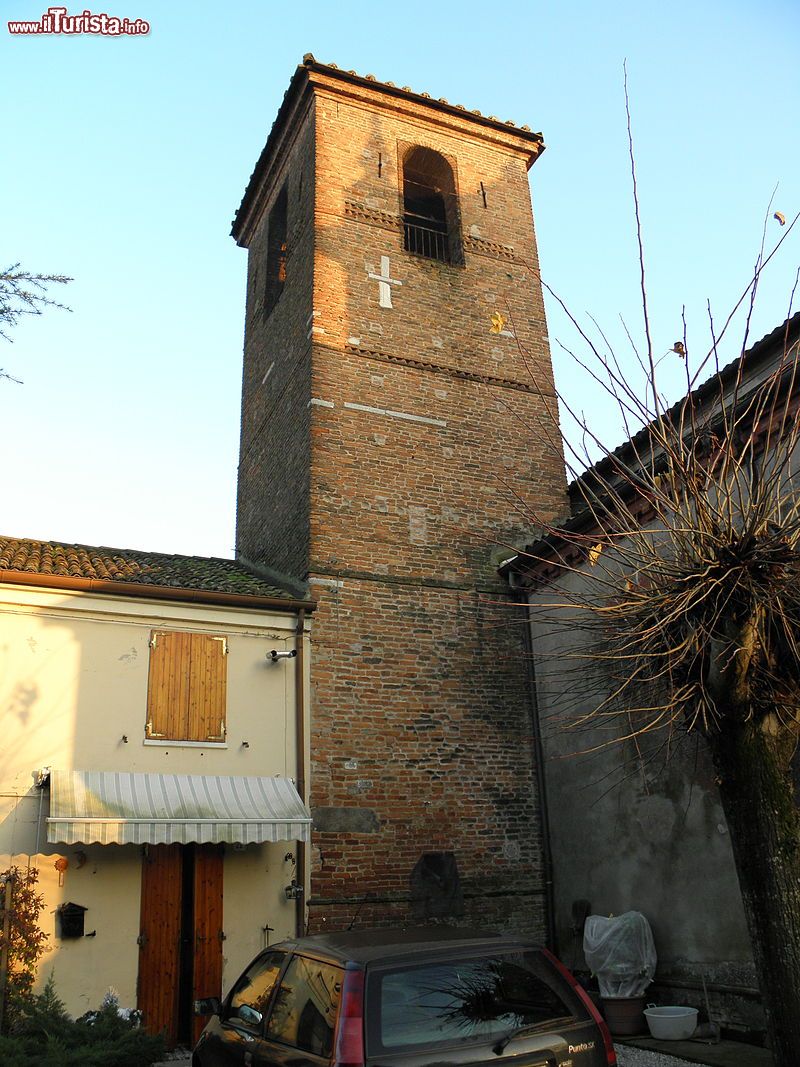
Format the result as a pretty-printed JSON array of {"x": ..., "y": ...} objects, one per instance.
[{"x": 125, "y": 159}]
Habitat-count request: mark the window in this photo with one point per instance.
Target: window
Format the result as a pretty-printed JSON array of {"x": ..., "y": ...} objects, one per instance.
[
  {"x": 304, "y": 1015},
  {"x": 276, "y": 253},
  {"x": 431, "y": 226},
  {"x": 251, "y": 994},
  {"x": 186, "y": 690},
  {"x": 464, "y": 999}
]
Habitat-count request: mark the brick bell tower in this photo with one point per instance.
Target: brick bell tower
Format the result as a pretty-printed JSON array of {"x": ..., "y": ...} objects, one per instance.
[{"x": 384, "y": 418}]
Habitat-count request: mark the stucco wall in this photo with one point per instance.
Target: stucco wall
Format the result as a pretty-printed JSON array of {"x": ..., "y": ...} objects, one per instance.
[
  {"x": 73, "y": 681},
  {"x": 637, "y": 825}
]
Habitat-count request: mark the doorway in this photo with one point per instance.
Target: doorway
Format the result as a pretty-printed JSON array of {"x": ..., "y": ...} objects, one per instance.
[{"x": 180, "y": 937}]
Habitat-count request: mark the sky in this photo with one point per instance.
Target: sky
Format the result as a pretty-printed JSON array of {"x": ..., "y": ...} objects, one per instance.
[{"x": 126, "y": 158}]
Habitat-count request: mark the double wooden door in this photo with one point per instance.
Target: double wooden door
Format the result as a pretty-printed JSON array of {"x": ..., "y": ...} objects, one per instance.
[{"x": 180, "y": 937}]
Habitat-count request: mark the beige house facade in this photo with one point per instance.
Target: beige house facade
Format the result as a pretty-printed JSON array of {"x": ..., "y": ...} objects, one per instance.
[{"x": 152, "y": 768}]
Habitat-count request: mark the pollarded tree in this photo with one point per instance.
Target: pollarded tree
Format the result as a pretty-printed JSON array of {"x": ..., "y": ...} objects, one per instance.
[{"x": 681, "y": 574}]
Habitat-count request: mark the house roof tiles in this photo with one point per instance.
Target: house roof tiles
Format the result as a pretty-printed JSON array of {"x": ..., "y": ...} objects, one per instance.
[{"x": 205, "y": 574}]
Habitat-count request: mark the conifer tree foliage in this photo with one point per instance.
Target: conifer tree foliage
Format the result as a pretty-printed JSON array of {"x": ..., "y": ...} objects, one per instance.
[
  {"x": 44, "y": 1034},
  {"x": 36, "y": 1028},
  {"x": 677, "y": 582}
]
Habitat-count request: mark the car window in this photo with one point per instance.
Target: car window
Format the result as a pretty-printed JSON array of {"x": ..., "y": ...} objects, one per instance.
[
  {"x": 250, "y": 996},
  {"x": 463, "y": 999},
  {"x": 304, "y": 1011}
]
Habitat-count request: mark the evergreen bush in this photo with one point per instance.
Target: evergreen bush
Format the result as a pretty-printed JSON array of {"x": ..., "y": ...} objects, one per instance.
[{"x": 44, "y": 1035}]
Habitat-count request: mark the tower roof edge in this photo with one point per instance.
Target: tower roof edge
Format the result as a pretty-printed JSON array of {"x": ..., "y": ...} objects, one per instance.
[{"x": 329, "y": 74}]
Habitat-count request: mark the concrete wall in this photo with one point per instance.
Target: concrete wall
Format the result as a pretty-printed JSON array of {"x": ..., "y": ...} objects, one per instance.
[
  {"x": 73, "y": 681},
  {"x": 637, "y": 825}
]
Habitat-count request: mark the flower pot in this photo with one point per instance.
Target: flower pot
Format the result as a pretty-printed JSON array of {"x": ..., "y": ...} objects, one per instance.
[{"x": 624, "y": 1015}]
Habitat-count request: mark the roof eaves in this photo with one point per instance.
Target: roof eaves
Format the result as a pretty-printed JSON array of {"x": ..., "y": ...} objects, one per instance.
[
  {"x": 290, "y": 97},
  {"x": 369, "y": 81},
  {"x": 584, "y": 517},
  {"x": 535, "y": 552},
  {"x": 143, "y": 591},
  {"x": 761, "y": 348},
  {"x": 284, "y": 581},
  {"x": 300, "y": 79},
  {"x": 148, "y": 574}
]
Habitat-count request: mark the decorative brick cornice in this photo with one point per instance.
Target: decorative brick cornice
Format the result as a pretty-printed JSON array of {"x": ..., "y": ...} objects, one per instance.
[
  {"x": 477, "y": 246},
  {"x": 443, "y": 369},
  {"x": 362, "y": 213},
  {"x": 481, "y": 247}
]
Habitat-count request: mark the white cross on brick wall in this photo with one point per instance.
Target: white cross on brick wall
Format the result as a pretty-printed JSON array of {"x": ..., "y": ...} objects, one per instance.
[{"x": 385, "y": 283}]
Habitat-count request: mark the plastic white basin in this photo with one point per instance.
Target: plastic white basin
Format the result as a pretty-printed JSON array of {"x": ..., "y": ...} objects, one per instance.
[{"x": 671, "y": 1023}]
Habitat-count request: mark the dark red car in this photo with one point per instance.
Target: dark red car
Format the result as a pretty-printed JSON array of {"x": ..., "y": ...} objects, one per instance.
[{"x": 432, "y": 997}]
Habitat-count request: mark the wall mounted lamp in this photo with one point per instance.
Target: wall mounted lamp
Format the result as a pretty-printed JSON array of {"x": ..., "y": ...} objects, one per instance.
[{"x": 274, "y": 655}]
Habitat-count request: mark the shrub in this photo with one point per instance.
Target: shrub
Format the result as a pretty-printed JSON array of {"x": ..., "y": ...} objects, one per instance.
[{"x": 44, "y": 1035}]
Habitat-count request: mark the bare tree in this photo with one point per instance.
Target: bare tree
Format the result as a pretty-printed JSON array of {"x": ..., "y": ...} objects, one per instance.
[
  {"x": 24, "y": 293},
  {"x": 681, "y": 571}
]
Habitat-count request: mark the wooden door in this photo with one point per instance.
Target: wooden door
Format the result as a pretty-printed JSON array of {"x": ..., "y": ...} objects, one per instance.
[
  {"x": 160, "y": 939},
  {"x": 208, "y": 935}
]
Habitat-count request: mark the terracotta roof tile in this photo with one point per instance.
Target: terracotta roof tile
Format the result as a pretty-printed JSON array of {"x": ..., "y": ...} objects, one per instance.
[{"x": 202, "y": 573}]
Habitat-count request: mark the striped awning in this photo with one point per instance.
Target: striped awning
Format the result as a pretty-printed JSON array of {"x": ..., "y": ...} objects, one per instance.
[{"x": 113, "y": 807}]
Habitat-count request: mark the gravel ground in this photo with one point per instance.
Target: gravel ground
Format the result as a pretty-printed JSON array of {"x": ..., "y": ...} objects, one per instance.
[{"x": 640, "y": 1057}]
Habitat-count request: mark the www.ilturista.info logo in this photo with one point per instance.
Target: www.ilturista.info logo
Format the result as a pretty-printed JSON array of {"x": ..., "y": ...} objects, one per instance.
[{"x": 56, "y": 20}]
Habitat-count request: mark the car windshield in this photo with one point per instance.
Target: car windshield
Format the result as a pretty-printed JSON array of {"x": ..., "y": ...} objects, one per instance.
[{"x": 458, "y": 1000}]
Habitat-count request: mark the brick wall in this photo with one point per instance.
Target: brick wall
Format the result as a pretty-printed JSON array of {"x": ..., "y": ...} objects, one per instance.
[
  {"x": 420, "y": 430},
  {"x": 272, "y": 519},
  {"x": 421, "y": 722}
]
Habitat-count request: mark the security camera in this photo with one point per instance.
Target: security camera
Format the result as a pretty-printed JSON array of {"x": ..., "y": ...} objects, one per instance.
[{"x": 274, "y": 655}]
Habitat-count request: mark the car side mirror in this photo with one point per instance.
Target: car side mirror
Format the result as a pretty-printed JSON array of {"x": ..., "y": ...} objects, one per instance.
[
  {"x": 207, "y": 1006},
  {"x": 249, "y": 1015}
]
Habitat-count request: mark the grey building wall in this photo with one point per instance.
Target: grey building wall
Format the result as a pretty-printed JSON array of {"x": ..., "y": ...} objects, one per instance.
[{"x": 638, "y": 825}]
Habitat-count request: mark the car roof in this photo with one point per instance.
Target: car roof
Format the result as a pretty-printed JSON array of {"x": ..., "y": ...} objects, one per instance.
[{"x": 365, "y": 946}]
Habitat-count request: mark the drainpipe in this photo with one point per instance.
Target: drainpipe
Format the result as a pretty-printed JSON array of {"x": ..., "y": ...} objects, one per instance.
[
  {"x": 300, "y": 742},
  {"x": 541, "y": 786}
]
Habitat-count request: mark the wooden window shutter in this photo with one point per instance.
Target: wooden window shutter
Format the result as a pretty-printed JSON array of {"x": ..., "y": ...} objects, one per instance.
[
  {"x": 168, "y": 685},
  {"x": 187, "y": 687},
  {"x": 207, "y": 689}
]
